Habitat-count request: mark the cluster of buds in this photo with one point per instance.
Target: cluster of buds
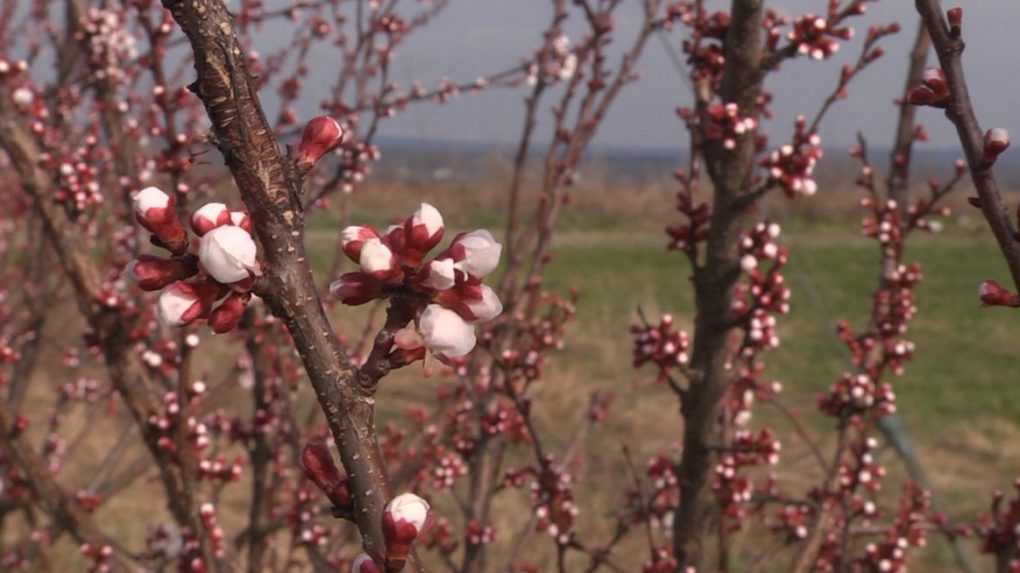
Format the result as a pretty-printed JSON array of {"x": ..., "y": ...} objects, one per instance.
[
  {"x": 792, "y": 521},
  {"x": 109, "y": 43},
  {"x": 554, "y": 63},
  {"x": 214, "y": 284},
  {"x": 665, "y": 494},
  {"x": 908, "y": 530},
  {"x": 99, "y": 556},
  {"x": 77, "y": 178},
  {"x": 663, "y": 561},
  {"x": 884, "y": 224},
  {"x": 207, "y": 514},
  {"x": 686, "y": 236},
  {"x": 446, "y": 292},
  {"x": 862, "y": 472},
  {"x": 792, "y": 166},
  {"x": 703, "y": 46},
  {"x": 542, "y": 334},
  {"x": 818, "y": 37},
  {"x": 765, "y": 293},
  {"x": 855, "y": 394},
  {"x": 747, "y": 388},
  {"x": 723, "y": 122},
  {"x": 552, "y": 493},
  {"x": 733, "y": 489},
  {"x": 662, "y": 345},
  {"x": 1000, "y": 531},
  {"x": 933, "y": 91}
]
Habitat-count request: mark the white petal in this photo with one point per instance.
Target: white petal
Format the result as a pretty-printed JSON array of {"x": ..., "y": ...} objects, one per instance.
[
  {"x": 375, "y": 256},
  {"x": 150, "y": 198},
  {"x": 430, "y": 217},
  {"x": 228, "y": 254},
  {"x": 482, "y": 253},
  {"x": 445, "y": 332},
  {"x": 172, "y": 305},
  {"x": 489, "y": 307},
  {"x": 441, "y": 276},
  {"x": 410, "y": 508}
]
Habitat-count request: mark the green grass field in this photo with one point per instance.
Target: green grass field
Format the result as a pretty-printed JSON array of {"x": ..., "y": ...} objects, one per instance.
[{"x": 959, "y": 397}]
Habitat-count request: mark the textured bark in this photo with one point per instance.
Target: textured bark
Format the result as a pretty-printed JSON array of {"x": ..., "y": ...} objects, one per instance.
[
  {"x": 271, "y": 188},
  {"x": 730, "y": 171}
]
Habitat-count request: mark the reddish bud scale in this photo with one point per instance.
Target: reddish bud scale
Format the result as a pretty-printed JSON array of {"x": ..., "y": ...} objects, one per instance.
[
  {"x": 320, "y": 135},
  {"x": 202, "y": 224},
  {"x": 356, "y": 288},
  {"x": 153, "y": 273},
  {"x": 399, "y": 537},
  {"x": 227, "y": 315},
  {"x": 166, "y": 228},
  {"x": 318, "y": 466}
]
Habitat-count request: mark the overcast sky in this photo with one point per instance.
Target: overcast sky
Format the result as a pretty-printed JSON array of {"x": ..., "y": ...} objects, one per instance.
[{"x": 473, "y": 37}]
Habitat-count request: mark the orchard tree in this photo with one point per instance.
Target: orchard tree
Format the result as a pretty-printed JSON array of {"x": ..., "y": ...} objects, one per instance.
[{"x": 111, "y": 116}]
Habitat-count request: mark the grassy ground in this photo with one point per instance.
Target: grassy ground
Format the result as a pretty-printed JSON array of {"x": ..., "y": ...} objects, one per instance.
[
  {"x": 960, "y": 396},
  {"x": 959, "y": 399}
]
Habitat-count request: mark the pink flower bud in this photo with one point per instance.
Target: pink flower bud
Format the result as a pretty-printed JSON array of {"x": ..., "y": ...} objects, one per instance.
[
  {"x": 365, "y": 564},
  {"x": 445, "y": 332},
  {"x": 227, "y": 253},
  {"x": 404, "y": 519},
  {"x": 377, "y": 260},
  {"x": 317, "y": 463},
  {"x": 153, "y": 273},
  {"x": 487, "y": 307},
  {"x": 439, "y": 274},
  {"x": 321, "y": 135},
  {"x": 227, "y": 315},
  {"x": 182, "y": 303},
  {"x": 472, "y": 301},
  {"x": 353, "y": 238},
  {"x": 154, "y": 210},
  {"x": 996, "y": 141},
  {"x": 424, "y": 229},
  {"x": 475, "y": 253},
  {"x": 355, "y": 288},
  {"x": 208, "y": 217},
  {"x": 994, "y": 294}
]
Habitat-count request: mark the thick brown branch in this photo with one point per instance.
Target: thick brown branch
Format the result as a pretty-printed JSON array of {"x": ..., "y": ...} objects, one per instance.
[{"x": 271, "y": 189}]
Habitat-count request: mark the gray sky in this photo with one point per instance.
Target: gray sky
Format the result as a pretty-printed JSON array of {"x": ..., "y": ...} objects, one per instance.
[{"x": 477, "y": 36}]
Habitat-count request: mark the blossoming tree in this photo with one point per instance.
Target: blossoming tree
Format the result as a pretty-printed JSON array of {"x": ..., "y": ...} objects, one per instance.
[{"x": 103, "y": 122}]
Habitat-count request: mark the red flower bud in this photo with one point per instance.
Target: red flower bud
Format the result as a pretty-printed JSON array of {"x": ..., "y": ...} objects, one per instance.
[
  {"x": 153, "y": 273},
  {"x": 996, "y": 141},
  {"x": 955, "y": 17},
  {"x": 227, "y": 315},
  {"x": 355, "y": 288},
  {"x": 317, "y": 463},
  {"x": 994, "y": 294},
  {"x": 404, "y": 518},
  {"x": 154, "y": 210},
  {"x": 321, "y": 135}
]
